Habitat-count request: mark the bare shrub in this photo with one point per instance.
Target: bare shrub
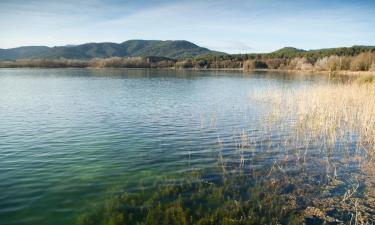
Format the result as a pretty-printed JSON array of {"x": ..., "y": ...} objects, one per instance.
[
  {"x": 248, "y": 65},
  {"x": 372, "y": 68},
  {"x": 300, "y": 64},
  {"x": 330, "y": 63},
  {"x": 345, "y": 62},
  {"x": 333, "y": 63},
  {"x": 363, "y": 61},
  {"x": 118, "y": 62},
  {"x": 184, "y": 64}
]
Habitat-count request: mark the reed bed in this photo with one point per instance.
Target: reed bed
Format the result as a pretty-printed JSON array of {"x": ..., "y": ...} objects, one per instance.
[
  {"x": 333, "y": 113},
  {"x": 309, "y": 160},
  {"x": 331, "y": 128}
]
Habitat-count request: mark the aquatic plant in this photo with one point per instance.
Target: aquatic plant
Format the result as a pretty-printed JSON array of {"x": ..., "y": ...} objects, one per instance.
[
  {"x": 311, "y": 162},
  {"x": 197, "y": 201},
  {"x": 333, "y": 127}
]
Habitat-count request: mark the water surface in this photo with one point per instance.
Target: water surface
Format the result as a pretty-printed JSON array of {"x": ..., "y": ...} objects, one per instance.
[{"x": 70, "y": 137}]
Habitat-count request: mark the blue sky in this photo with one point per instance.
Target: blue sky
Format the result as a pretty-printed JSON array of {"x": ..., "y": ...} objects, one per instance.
[{"x": 235, "y": 26}]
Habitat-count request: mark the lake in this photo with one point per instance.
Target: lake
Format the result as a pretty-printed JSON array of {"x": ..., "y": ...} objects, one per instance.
[{"x": 73, "y": 141}]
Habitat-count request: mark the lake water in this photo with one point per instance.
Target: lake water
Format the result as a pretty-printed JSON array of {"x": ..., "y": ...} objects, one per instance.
[{"x": 72, "y": 138}]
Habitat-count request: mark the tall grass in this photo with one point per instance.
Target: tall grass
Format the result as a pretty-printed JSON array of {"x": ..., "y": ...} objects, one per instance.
[
  {"x": 330, "y": 112},
  {"x": 336, "y": 119},
  {"x": 331, "y": 126},
  {"x": 326, "y": 133}
]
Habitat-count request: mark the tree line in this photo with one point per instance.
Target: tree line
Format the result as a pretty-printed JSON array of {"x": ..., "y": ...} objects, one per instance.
[{"x": 352, "y": 59}]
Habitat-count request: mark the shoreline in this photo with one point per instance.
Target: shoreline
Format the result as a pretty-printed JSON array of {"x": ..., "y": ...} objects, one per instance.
[
  {"x": 323, "y": 72},
  {"x": 313, "y": 72}
]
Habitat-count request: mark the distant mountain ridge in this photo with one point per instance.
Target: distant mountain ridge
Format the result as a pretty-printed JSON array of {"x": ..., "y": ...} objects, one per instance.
[
  {"x": 170, "y": 49},
  {"x": 179, "y": 49}
]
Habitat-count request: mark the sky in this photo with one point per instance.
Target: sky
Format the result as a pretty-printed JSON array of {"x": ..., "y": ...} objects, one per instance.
[{"x": 232, "y": 26}]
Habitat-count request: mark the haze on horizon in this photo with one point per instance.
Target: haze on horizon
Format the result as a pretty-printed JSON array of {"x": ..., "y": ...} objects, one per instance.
[{"x": 237, "y": 26}]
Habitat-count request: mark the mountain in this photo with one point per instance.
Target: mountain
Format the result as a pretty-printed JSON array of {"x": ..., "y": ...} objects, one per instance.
[
  {"x": 23, "y": 52},
  {"x": 170, "y": 49}
]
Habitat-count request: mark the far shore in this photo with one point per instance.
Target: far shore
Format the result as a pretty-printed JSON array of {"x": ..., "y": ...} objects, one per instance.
[
  {"x": 316, "y": 72},
  {"x": 329, "y": 73}
]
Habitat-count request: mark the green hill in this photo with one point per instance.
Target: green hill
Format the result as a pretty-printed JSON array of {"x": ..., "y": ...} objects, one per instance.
[
  {"x": 167, "y": 49},
  {"x": 170, "y": 49},
  {"x": 286, "y": 52},
  {"x": 23, "y": 52},
  {"x": 290, "y": 52}
]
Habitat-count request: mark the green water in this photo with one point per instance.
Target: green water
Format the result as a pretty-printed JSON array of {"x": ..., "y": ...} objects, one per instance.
[{"x": 73, "y": 138}]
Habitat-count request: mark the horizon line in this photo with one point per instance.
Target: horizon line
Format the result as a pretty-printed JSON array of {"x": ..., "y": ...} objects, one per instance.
[{"x": 211, "y": 49}]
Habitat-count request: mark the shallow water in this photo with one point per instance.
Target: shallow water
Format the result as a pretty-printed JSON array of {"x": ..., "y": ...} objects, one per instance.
[{"x": 70, "y": 138}]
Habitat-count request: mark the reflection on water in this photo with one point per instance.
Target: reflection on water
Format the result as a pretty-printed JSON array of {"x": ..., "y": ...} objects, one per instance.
[{"x": 108, "y": 145}]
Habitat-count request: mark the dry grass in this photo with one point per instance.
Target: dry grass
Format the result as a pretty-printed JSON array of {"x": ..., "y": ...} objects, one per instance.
[
  {"x": 320, "y": 136},
  {"x": 337, "y": 112},
  {"x": 329, "y": 113},
  {"x": 365, "y": 79},
  {"x": 339, "y": 121}
]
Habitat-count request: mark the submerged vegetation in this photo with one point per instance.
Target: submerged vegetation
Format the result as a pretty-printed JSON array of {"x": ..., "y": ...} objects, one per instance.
[
  {"x": 197, "y": 201},
  {"x": 321, "y": 141}
]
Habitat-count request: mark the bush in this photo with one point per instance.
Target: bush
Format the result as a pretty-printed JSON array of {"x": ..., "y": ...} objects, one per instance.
[
  {"x": 345, "y": 62},
  {"x": 300, "y": 64},
  {"x": 248, "y": 65},
  {"x": 333, "y": 63},
  {"x": 254, "y": 64},
  {"x": 372, "y": 68},
  {"x": 258, "y": 64},
  {"x": 118, "y": 62},
  {"x": 277, "y": 63},
  {"x": 327, "y": 63},
  {"x": 163, "y": 64},
  {"x": 184, "y": 64},
  {"x": 363, "y": 62}
]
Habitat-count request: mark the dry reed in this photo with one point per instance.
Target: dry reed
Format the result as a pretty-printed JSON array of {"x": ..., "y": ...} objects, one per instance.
[{"x": 333, "y": 112}]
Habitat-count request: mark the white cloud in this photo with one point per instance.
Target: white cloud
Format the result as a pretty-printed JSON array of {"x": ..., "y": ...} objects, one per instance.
[{"x": 235, "y": 26}]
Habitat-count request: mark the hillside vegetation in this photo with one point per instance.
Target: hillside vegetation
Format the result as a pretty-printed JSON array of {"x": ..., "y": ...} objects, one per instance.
[
  {"x": 186, "y": 55},
  {"x": 144, "y": 48},
  {"x": 356, "y": 58}
]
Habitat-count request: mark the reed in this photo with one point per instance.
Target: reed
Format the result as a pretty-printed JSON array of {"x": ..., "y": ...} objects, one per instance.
[
  {"x": 328, "y": 114},
  {"x": 309, "y": 162},
  {"x": 331, "y": 126}
]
